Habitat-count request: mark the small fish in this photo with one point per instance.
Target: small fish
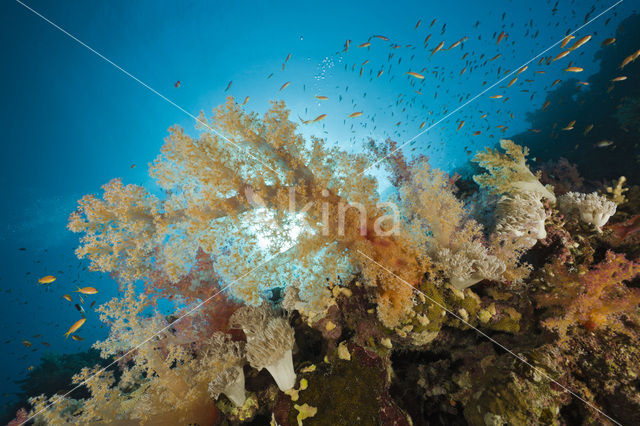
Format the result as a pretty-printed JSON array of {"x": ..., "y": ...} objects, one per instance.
[
  {"x": 422, "y": 124},
  {"x": 561, "y": 55},
  {"x": 555, "y": 82},
  {"x": 228, "y": 85},
  {"x": 285, "y": 85},
  {"x": 417, "y": 24},
  {"x": 416, "y": 75},
  {"x": 26, "y": 343},
  {"x": 521, "y": 70},
  {"x": 512, "y": 82},
  {"x": 75, "y": 327},
  {"x": 321, "y": 98},
  {"x": 570, "y": 125},
  {"x": 626, "y": 61},
  {"x": 92, "y": 303},
  {"x": 495, "y": 96},
  {"x": 379, "y": 73},
  {"x": 608, "y": 41},
  {"x": 288, "y": 57},
  {"x": 381, "y": 37},
  {"x": 79, "y": 308},
  {"x": 346, "y": 45},
  {"x": 77, "y": 338},
  {"x": 319, "y": 118},
  {"x": 355, "y": 114},
  {"x": 495, "y": 57},
  {"x": 177, "y": 84},
  {"x": 484, "y": 116},
  {"x": 47, "y": 344},
  {"x": 546, "y": 104},
  {"x": 30, "y": 368},
  {"x": 604, "y": 143},
  {"x": 47, "y": 279},
  {"x": 621, "y": 78},
  {"x": 588, "y": 129},
  {"x": 476, "y": 133},
  {"x": 566, "y": 41},
  {"x": 86, "y": 290},
  {"x": 438, "y": 47},
  {"x": 580, "y": 42},
  {"x": 460, "y": 125},
  {"x": 501, "y": 36},
  {"x": 133, "y": 166},
  {"x": 67, "y": 297},
  {"x": 365, "y": 44},
  {"x": 574, "y": 69},
  {"x": 245, "y": 100}
]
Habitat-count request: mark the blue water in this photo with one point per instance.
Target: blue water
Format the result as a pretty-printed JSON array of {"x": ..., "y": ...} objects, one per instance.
[{"x": 72, "y": 121}]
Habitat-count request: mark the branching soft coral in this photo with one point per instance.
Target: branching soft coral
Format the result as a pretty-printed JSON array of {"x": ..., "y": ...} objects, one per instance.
[
  {"x": 508, "y": 173},
  {"x": 593, "y": 298}
]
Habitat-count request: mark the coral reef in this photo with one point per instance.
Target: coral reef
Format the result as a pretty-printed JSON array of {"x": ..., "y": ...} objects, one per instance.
[{"x": 440, "y": 306}]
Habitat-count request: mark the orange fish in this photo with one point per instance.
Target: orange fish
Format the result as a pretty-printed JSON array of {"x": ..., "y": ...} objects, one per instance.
[
  {"x": 319, "y": 118},
  {"x": 621, "y": 78},
  {"x": 47, "y": 279},
  {"x": 422, "y": 124},
  {"x": 177, "y": 84},
  {"x": 495, "y": 96},
  {"x": 460, "y": 125},
  {"x": 608, "y": 41},
  {"x": 495, "y": 57},
  {"x": 366, "y": 44},
  {"x": 566, "y": 41},
  {"x": 416, "y": 75},
  {"x": 321, "y": 98},
  {"x": 346, "y": 45},
  {"x": 381, "y": 37},
  {"x": 75, "y": 327},
  {"x": 561, "y": 55},
  {"x": 555, "y": 82},
  {"x": 379, "y": 73},
  {"x": 501, "y": 36},
  {"x": 77, "y": 338},
  {"x": 512, "y": 82},
  {"x": 438, "y": 47},
  {"x": 521, "y": 70},
  {"x": 355, "y": 114},
  {"x": 285, "y": 85},
  {"x": 67, "y": 297},
  {"x": 626, "y": 61},
  {"x": 86, "y": 290},
  {"x": 476, "y": 133},
  {"x": 574, "y": 69},
  {"x": 546, "y": 104},
  {"x": 417, "y": 24},
  {"x": 288, "y": 57},
  {"x": 580, "y": 42}
]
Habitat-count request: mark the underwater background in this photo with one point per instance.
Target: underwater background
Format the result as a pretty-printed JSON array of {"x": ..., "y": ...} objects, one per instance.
[{"x": 73, "y": 121}]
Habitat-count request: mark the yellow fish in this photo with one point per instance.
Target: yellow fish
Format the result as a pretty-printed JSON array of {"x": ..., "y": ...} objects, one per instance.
[
  {"x": 321, "y": 98},
  {"x": 367, "y": 44},
  {"x": 86, "y": 290},
  {"x": 512, "y": 82},
  {"x": 574, "y": 69},
  {"x": 495, "y": 96},
  {"x": 319, "y": 118},
  {"x": 75, "y": 327},
  {"x": 621, "y": 78},
  {"x": 416, "y": 75},
  {"x": 626, "y": 61},
  {"x": 501, "y": 36},
  {"x": 523, "y": 69},
  {"x": 245, "y": 100},
  {"x": 422, "y": 124},
  {"x": 67, "y": 297},
  {"x": 47, "y": 279},
  {"x": 355, "y": 114},
  {"x": 285, "y": 85}
]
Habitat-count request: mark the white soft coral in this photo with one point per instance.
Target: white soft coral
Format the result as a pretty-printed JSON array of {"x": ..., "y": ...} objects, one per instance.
[
  {"x": 520, "y": 219},
  {"x": 470, "y": 264},
  {"x": 592, "y": 208}
]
